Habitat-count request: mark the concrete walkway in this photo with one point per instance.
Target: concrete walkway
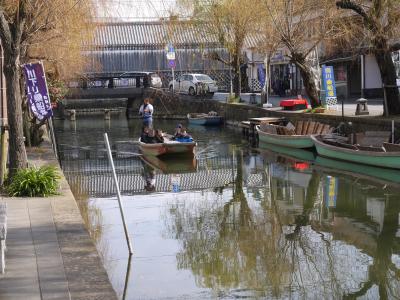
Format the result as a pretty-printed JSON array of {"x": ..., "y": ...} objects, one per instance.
[
  {"x": 375, "y": 106},
  {"x": 49, "y": 252}
]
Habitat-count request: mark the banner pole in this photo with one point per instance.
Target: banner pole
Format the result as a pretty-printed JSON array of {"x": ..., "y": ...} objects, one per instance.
[{"x": 50, "y": 120}]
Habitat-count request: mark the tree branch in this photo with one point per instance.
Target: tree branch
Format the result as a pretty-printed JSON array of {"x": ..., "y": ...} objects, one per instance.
[
  {"x": 395, "y": 47},
  {"x": 215, "y": 56},
  {"x": 349, "y": 4},
  {"x": 5, "y": 32}
]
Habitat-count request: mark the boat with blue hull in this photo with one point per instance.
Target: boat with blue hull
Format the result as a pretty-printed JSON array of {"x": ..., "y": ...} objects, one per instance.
[{"x": 205, "y": 119}]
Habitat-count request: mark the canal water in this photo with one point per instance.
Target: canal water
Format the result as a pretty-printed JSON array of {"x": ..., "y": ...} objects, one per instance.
[{"x": 234, "y": 221}]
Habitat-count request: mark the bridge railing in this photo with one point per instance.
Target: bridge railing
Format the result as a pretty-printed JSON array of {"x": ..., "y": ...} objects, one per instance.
[{"x": 110, "y": 80}]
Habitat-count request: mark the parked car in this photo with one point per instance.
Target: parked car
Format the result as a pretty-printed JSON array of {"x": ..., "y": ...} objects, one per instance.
[
  {"x": 129, "y": 79},
  {"x": 194, "y": 84}
]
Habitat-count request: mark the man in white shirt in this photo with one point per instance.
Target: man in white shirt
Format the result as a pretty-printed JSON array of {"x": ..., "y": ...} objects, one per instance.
[{"x": 146, "y": 111}]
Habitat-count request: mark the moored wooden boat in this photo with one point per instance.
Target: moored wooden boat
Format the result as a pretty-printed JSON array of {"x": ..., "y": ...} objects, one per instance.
[
  {"x": 298, "y": 136},
  {"x": 204, "y": 119},
  {"x": 386, "y": 156},
  {"x": 169, "y": 147}
]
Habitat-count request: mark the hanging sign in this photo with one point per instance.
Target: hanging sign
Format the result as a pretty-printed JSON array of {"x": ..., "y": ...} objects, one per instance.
[{"x": 37, "y": 92}]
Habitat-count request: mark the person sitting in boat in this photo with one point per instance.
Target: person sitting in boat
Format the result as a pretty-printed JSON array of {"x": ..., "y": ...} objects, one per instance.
[
  {"x": 182, "y": 136},
  {"x": 178, "y": 130},
  {"x": 159, "y": 136},
  {"x": 148, "y": 136}
]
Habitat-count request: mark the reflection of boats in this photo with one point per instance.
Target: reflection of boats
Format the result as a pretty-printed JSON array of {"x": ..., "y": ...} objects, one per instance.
[
  {"x": 204, "y": 119},
  {"x": 301, "y": 154},
  {"x": 168, "y": 147},
  {"x": 293, "y": 137},
  {"x": 348, "y": 152},
  {"x": 182, "y": 164},
  {"x": 369, "y": 172}
]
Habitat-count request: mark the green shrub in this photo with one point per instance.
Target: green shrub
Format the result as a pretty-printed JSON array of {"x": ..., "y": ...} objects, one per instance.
[
  {"x": 233, "y": 99},
  {"x": 33, "y": 182}
]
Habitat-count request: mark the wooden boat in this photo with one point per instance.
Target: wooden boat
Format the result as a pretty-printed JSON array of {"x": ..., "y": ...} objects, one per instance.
[
  {"x": 169, "y": 147},
  {"x": 387, "y": 156},
  {"x": 298, "y": 136},
  {"x": 209, "y": 119},
  {"x": 168, "y": 165}
]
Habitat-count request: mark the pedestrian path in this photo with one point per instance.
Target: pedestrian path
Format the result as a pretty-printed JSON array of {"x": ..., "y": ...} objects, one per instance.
[{"x": 49, "y": 252}]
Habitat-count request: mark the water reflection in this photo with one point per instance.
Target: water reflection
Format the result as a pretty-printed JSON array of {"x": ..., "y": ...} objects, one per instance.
[
  {"x": 149, "y": 174},
  {"x": 294, "y": 242},
  {"x": 244, "y": 224}
]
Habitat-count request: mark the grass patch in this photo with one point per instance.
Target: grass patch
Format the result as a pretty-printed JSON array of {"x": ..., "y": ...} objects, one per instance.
[
  {"x": 233, "y": 99},
  {"x": 34, "y": 182},
  {"x": 315, "y": 110}
]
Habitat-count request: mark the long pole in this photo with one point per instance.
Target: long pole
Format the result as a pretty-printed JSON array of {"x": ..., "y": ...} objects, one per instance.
[
  {"x": 173, "y": 80},
  {"x": 385, "y": 105},
  {"x": 362, "y": 75},
  {"x": 110, "y": 159}
]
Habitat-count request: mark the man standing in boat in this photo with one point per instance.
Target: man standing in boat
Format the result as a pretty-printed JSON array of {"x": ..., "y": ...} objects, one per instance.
[{"x": 146, "y": 111}]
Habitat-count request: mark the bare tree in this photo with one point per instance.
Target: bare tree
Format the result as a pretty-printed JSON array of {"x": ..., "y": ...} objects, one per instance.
[
  {"x": 34, "y": 29},
  {"x": 230, "y": 22},
  {"x": 378, "y": 30},
  {"x": 302, "y": 26}
]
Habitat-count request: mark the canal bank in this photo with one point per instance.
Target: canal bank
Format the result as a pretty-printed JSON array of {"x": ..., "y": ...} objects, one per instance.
[
  {"x": 50, "y": 254},
  {"x": 172, "y": 106}
]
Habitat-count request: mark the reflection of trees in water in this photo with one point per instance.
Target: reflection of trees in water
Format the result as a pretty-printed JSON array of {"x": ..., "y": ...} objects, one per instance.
[
  {"x": 233, "y": 246},
  {"x": 383, "y": 272}
]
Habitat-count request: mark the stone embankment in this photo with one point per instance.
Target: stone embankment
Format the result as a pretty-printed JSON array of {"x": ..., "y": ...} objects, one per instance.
[{"x": 50, "y": 254}]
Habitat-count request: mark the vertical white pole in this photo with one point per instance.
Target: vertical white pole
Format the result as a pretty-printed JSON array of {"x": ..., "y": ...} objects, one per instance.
[
  {"x": 173, "y": 80},
  {"x": 362, "y": 76},
  {"x": 110, "y": 159}
]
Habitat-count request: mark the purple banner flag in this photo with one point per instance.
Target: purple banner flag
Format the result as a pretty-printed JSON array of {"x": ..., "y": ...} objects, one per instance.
[{"x": 36, "y": 90}]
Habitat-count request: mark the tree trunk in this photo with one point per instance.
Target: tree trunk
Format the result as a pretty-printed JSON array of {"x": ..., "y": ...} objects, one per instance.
[
  {"x": 388, "y": 74},
  {"x": 236, "y": 76},
  {"x": 17, "y": 151},
  {"x": 309, "y": 84}
]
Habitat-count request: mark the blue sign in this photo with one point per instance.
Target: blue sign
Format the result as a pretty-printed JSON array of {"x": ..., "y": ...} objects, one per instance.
[
  {"x": 171, "y": 63},
  {"x": 328, "y": 79}
]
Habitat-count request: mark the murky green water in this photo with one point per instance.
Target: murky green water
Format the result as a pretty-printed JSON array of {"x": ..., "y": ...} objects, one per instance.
[{"x": 235, "y": 222}]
